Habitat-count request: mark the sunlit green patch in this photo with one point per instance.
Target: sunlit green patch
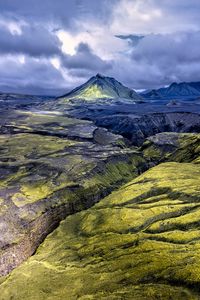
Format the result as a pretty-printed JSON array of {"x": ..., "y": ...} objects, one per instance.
[{"x": 36, "y": 118}]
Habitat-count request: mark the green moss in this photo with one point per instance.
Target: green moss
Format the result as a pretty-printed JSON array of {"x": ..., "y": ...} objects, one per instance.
[
  {"x": 36, "y": 118},
  {"x": 141, "y": 241},
  {"x": 115, "y": 250},
  {"x": 180, "y": 147},
  {"x": 93, "y": 92},
  {"x": 26, "y": 146},
  {"x": 152, "y": 153}
]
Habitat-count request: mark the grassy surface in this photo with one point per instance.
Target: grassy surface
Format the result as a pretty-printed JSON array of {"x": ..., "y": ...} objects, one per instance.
[
  {"x": 140, "y": 242},
  {"x": 50, "y": 167}
]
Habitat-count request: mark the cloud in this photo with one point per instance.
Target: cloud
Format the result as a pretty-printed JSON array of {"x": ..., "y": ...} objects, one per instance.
[
  {"x": 36, "y": 76},
  {"x": 159, "y": 59},
  {"x": 169, "y": 53},
  {"x": 31, "y": 40},
  {"x": 85, "y": 59},
  {"x": 178, "y": 47},
  {"x": 57, "y": 13},
  {"x": 153, "y": 16}
]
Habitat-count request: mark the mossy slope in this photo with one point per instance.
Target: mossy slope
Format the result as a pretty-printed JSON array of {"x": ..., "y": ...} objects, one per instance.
[
  {"x": 172, "y": 146},
  {"x": 140, "y": 242},
  {"x": 52, "y": 166}
]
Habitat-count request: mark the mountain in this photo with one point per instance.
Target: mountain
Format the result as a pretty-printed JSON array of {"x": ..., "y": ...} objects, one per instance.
[
  {"x": 183, "y": 90},
  {"x": 152, "y": 94},
  {"x": 17, "y": 97},
  {"x": 101, "y": 87}
]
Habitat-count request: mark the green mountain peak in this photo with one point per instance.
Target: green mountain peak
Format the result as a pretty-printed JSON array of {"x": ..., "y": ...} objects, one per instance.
[{"x": 101, "y": 87}]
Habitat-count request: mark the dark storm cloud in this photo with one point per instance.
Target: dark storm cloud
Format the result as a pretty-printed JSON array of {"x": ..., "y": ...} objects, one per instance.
[
  {"x": 27, "y": 77},
  {"x": 173, "y": 56},
  {"x": 86, "y": 60},
  {"x": 82, "y": 74},
  {"x": 175, "y": 48},
  {"x": 61, "y": 12},
  {"x": 33, "y": 41}
]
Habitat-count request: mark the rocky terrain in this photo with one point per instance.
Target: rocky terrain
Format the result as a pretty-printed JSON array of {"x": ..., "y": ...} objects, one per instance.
[
  {"x": 136, "y": 122},
  {"x": 8, "y": 100},
  {"x": 52, "y": 166},
  {"x": 103, "y": 194},
  {"x": 137, "y": 128},
  {"x": 132, "y": 117},
  {"x": 140, "y": 242}
]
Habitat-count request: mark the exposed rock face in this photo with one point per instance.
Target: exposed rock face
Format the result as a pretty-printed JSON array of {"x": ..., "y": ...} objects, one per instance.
[
  {"x": 100, "y": 87},
  {"x": 136, "y": 122},
  {"x": 181, "y": 147},
  {"x": 52, "y": 166},
  {"x": 140, "y": 242},
  {"x": 138, "y": 127}
]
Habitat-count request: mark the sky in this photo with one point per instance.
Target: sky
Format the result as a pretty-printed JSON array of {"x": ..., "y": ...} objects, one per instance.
[{"x": 48, "y": 47}]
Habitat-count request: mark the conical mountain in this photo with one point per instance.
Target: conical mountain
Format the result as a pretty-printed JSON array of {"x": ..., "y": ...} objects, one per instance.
[{"x": 101, "y": 87}]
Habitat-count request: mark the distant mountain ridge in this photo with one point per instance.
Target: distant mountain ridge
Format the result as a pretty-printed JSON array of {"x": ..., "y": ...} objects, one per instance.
[
  {"x": 16, "y": 96},
  {"x": 101, "y": 87},
  {"x": 186, "y": 90}
]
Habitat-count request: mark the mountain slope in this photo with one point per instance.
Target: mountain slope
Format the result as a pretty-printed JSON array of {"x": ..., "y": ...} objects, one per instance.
[
  {"x": 152, "y": 94},
  {"x": 100, "y": 87},
  {"x": 140, "y": 242},
  {"x": 175, "y": 90}
]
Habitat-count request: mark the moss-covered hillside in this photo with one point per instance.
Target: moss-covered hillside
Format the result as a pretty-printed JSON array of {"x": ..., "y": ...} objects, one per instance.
[
  {"x": 140, "y": 242},
  {"x": 52, "y": 166}
]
